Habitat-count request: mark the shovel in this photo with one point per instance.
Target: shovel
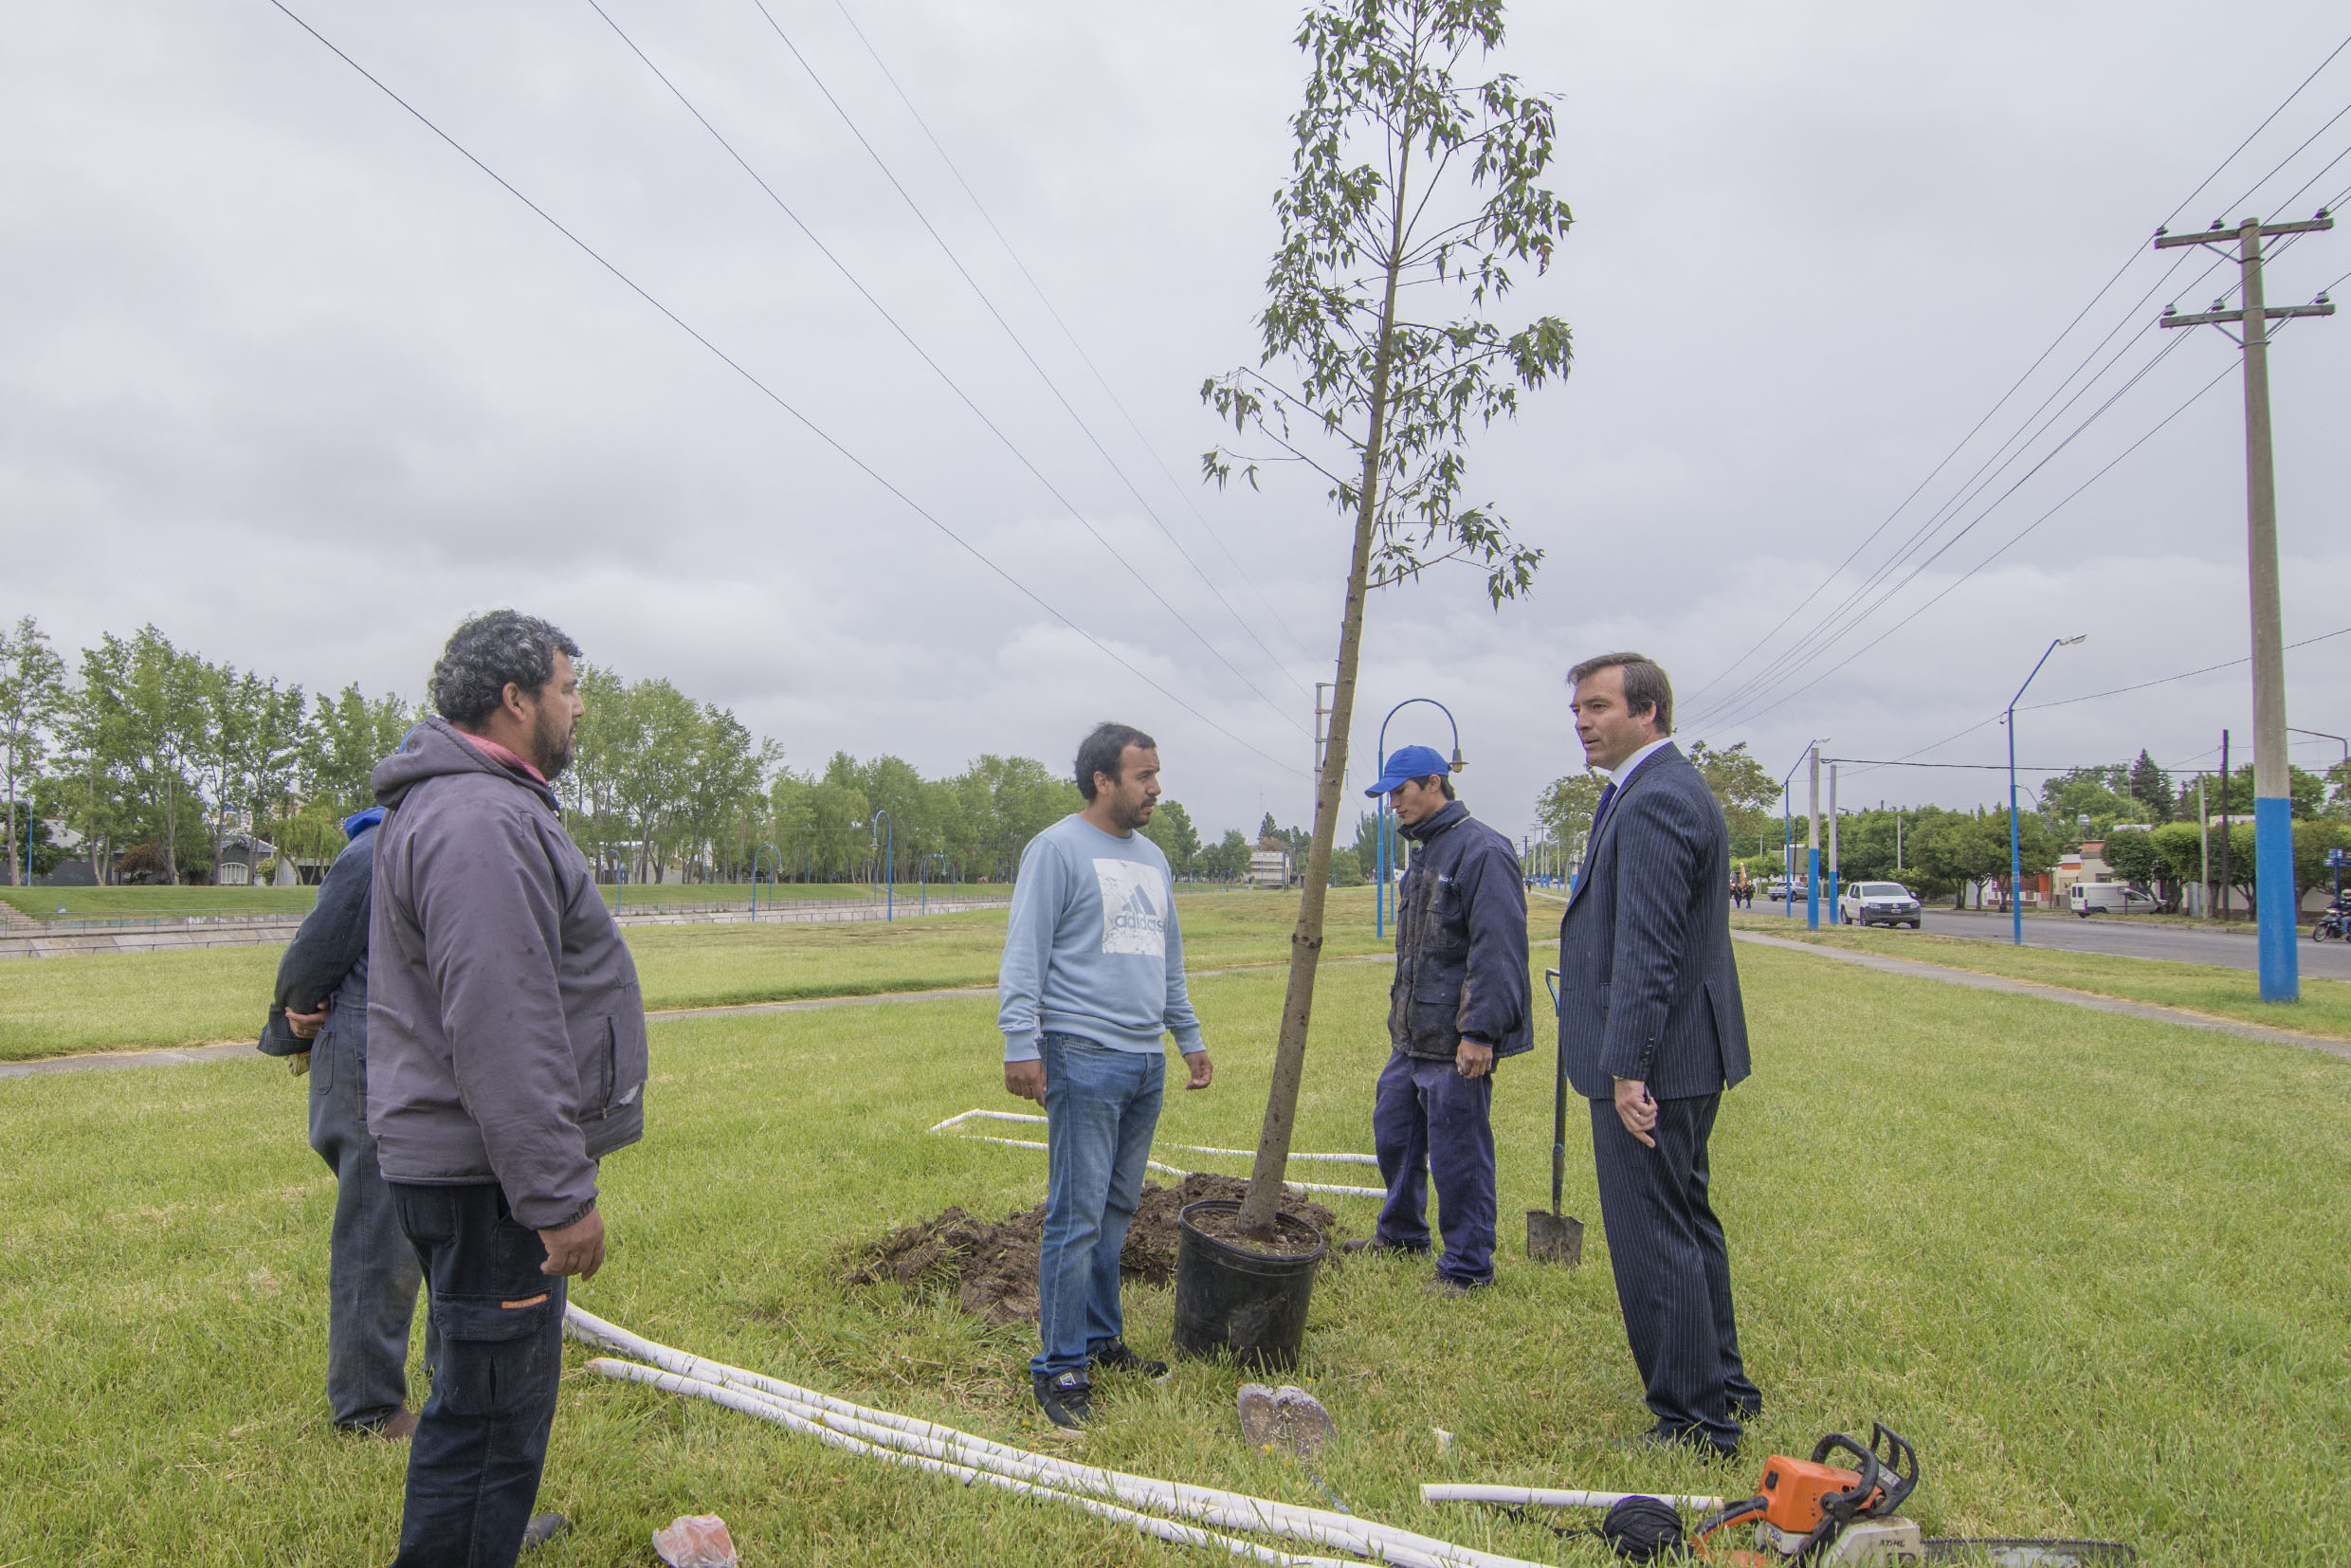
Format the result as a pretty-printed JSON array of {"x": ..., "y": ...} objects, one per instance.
[{"x": 1556, "y": 1238}]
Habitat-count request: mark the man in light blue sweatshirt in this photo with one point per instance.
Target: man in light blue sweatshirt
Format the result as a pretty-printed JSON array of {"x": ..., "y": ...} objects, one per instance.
[{"x": 1093, "y": 974}]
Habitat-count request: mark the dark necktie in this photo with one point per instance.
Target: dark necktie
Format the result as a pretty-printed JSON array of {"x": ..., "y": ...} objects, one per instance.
[
  {"x": 1608, "y": 793},
  {"x": 1599, "y": 811}
]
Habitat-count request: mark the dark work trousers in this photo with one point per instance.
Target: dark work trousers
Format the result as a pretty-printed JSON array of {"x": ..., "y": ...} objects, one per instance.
[
  {"x": 1673, "y": 1270},
  {"x": 1429, "y": 1123},
  {"x": 372, "y": 1271},
  {"x": 482, "y": 1438}
]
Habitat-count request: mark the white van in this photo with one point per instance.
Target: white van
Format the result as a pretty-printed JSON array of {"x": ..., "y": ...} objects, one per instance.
[{"x": 2109, "y": 898}]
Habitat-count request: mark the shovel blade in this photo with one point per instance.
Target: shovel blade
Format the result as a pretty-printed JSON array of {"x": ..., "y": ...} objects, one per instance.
[{"x": 1554, "y": 1238}]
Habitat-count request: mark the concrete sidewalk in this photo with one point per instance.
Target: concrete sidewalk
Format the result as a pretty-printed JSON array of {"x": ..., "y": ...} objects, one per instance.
[{"x": 1912, "y": 968}]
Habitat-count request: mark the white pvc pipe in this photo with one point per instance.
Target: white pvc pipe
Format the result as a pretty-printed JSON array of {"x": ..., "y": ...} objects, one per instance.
[
  {"x": 1171, "y": 1170},
  {"x": 771, "y": 1410},
  {"x": 959, "y": 1119},
  {"x": 1538, "y": 1497},
  {"x": 1386, "y": 1544}
]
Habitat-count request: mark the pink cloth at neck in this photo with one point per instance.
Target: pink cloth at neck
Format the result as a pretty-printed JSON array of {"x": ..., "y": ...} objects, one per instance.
[{"x": 500, "y": 756}]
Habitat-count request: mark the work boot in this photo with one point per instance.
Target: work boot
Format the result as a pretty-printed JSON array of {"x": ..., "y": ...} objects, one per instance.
[
  {"x": 1065, "y": 1398},
  {"x": 542, "y": 1529},
  {"x": 1452, "y": 1289},
  {"x": 1113, "y": 1356},
  {"x": 398, "y": 1427}
]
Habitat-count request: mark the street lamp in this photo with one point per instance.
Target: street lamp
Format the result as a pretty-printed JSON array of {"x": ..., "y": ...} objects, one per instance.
[
  {"x": 2016, "y": 853},
  {"x": 1382, "y": 893},
  {"x": 1787, "y": 836},
  {"x": 764, "y": 850}
]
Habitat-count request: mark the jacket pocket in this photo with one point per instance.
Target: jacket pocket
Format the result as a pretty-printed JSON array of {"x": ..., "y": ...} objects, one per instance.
[
  {"x": 625, "y": 1064},
  {"x": 596, "y": 1069}
]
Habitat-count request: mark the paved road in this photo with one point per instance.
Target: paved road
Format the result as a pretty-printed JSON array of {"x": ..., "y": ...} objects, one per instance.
[{"x": 2119, "y": 935}]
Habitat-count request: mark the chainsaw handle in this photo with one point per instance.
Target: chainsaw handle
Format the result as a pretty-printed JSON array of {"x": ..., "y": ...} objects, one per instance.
[
  {"x": 1900, "y": 1466},
  {"x": 1840, "y": 1508},
  {"x": 1887, "y": 1482}
]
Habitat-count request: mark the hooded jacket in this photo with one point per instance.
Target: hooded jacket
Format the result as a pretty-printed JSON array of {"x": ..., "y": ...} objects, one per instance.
[
  {"x": 1460, "y": 942},
  {"x": 328, "y": 956},
  {"x": 505, "y": 1028}
]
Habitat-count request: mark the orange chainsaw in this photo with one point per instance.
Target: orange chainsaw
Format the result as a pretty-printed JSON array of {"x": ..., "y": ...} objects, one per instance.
[{"x": 1823, "y": 1515}]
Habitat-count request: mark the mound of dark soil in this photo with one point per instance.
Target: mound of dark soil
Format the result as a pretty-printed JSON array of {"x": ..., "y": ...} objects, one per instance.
[{"x": 993, "y": 1268}]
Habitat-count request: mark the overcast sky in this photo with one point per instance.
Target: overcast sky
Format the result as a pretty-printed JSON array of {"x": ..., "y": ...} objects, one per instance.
[{"x": 283, "y": 374}]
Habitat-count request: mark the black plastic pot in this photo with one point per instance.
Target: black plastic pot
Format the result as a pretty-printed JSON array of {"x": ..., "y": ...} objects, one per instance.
[{"x": 1231, "y": 1299}]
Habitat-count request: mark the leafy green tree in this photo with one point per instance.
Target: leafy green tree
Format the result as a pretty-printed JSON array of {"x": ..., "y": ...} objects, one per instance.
[
  {"x": 2307, "y": 792},
  {"x": 1411, "y": 191},
  {"x": 1171, "y": 829},
  {"x": 1566, "y": 805},
  {"x": 1345, "y": 870},
  {"x": 1741, "y": 786},
  {"x": 32, "y": 702},
  {"x": 2152, "y": 788},
  {"x": 1230, "y": 858}
]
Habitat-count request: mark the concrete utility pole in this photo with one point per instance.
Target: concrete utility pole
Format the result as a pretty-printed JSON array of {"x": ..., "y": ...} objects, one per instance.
[
  {"x": 1836, "y": 866},
  {"x": 2203, "y": 846},
  {"x": 1812, "y": 864},
  {"x": 2223, "y": 888},
  {"x": 2273, "y": 807}
]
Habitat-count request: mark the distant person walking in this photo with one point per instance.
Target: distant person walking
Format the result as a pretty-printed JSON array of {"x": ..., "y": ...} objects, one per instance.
[
  {"x": 1093, "y": 976},
  {"x": 318, "y": 1019},
  {"x": 509, "y": 1058},
  {"x": 1459, "y": 1004},
  {"x": 1653, "y": 1029}
]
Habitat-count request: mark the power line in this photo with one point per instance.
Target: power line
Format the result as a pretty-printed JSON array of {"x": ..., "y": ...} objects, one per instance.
[
  {"x": 1182, "y": 491},
  {"x": 2038, "y": 361},
  {"x": 769, "y": 393},
  {"x": 1050, "y": 385},
  {"x": 939, "y": 370}
]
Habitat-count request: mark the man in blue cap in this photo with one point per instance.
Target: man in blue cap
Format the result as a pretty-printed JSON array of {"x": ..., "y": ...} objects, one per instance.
[{"x": 1460, "y": 1003}]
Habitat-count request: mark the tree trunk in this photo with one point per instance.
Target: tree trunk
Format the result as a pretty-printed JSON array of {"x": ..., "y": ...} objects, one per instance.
[{"x": 1260, "y": 1205}]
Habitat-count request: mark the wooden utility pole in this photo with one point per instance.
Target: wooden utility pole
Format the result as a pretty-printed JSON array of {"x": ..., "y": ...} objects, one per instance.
[
  {"x": 1812, "y": 869},
  {"x": 2275, "y": 905}
]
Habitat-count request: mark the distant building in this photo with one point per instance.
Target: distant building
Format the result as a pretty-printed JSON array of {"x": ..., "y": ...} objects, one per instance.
[{"x": 1269, "y": 864}]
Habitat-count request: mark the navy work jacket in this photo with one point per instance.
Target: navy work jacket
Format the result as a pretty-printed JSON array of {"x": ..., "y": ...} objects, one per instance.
[{"x": 1460, "y": 942}]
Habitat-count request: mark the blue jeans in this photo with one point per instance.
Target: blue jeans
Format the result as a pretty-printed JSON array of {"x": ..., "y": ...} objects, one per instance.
[
  {"x": 372, "y": 1271},
  {"x": 482, "y": 1438},
  {"x": 1429, "y": 1121},
  {"x": 1102, "y": 1106}
]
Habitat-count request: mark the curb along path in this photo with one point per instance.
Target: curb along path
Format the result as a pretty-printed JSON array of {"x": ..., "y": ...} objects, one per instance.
[{"x": 1912, "y": 968}]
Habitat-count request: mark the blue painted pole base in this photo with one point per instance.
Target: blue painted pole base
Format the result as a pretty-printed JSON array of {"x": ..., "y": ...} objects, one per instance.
[
  {"x": 1811, "y": 890},
  {"x": 2274, "y": 904}
]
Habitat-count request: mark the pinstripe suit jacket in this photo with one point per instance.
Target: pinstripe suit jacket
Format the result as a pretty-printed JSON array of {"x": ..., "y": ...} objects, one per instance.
[{"x": 1648, "y": 987}]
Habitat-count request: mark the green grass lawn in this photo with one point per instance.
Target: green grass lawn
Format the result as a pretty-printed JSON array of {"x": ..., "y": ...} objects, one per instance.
[
  {"x": 173, "y": 902},
  {"x": 56, "y": 1007},
  {"x": 2094, "y": 1268},
  {"x": 2324, "y": 1008}
]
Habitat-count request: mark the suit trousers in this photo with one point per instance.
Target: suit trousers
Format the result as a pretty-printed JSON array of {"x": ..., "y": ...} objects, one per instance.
[{"x": 1673, "y": 1270}]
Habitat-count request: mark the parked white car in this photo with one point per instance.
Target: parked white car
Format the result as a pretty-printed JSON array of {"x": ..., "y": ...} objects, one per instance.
[
  {"x": 2109, "y": 898},
  {"x": 1878, "y": 903}
]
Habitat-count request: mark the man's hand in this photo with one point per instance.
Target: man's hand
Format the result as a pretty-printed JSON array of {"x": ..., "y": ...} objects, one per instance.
[
  {"x": 1025, "y": 1078},
  {"x": 576, "y": 1248},
  {"x": 306, "y": 1025},
  {"x": 1636, "y": 1110},
  {"x": 1202, "y": 1068},
  {"x": 1472, "y": 1060}
]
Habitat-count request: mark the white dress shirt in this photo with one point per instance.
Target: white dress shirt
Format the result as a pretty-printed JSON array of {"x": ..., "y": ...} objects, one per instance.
[{"x": 1618, "y": 776}]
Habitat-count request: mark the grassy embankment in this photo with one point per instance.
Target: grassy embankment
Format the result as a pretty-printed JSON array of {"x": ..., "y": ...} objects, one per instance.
[
  {"x": 2101, "y": 1293},
  {"x": 2324, "y": 1008},
  {"x": 55, "y": 1007},
  {"x": 131, "y": 904}
]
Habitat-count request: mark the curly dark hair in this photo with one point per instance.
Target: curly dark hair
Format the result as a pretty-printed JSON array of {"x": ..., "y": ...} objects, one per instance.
[{"x": 488, "y": 651}]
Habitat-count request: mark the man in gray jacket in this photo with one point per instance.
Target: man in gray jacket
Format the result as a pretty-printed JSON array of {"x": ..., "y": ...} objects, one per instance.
[{"x": 507, "y": 1033}]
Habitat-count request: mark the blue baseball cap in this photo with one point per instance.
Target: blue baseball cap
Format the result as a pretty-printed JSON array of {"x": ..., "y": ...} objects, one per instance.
[{"x": 1410, "y": 763}]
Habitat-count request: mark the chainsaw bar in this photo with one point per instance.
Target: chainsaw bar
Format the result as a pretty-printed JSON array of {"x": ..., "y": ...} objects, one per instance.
[{"x": 2008, "y": 1552}]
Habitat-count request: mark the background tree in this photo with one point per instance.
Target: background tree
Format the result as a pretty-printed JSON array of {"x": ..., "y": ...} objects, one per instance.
[
  {"x": 1171, "y": 829},
  {"x": 1230, "y": 858},
  {"x": 1407, "y": 184},
  {"x": 1745, "y": 792},
  {"x": 32, "y": 700},
  {"x": 2152, "y": 788},
  {"x": 1564, "y": 809}
]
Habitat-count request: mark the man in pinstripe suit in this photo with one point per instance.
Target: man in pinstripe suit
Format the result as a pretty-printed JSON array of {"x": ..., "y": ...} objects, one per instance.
[{"x": 1652, "y": 1030}]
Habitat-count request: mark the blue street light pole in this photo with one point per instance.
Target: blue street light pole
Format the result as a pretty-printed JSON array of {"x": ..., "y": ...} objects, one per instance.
[
  {"x": 1381, "y": 894},
  {"x": 1787, "y": 835},
  {"x": 885, "y": 839},
  {"x": 763, "y": 849},
  {"x": 2016, "y": 851}
]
